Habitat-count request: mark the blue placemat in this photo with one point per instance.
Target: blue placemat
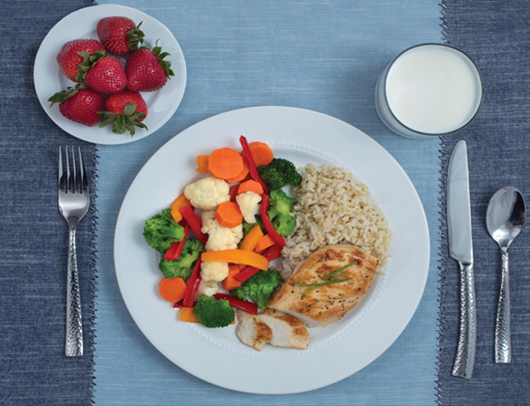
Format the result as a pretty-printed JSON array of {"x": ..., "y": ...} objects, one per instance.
[
  {"x": 33, "y": 235},
  {"x": 324, "y": 56},
  {"x": 495, "y": 34}
]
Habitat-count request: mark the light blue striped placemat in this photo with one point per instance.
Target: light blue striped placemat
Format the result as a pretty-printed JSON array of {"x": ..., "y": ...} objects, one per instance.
[{"x": 323, "y": 56}]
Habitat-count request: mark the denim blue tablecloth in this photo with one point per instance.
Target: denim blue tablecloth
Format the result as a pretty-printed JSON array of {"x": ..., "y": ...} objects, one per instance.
[
  {"x": 497, "y": 35},
  {"x": 33, "y": 235},
  {"x": 323, "y": 56}
]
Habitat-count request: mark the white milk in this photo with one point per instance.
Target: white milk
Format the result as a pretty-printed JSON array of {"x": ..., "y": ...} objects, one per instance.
[{"x": 433, "y": 89}]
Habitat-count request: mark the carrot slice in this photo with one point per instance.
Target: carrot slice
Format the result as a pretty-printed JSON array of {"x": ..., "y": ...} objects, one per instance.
[
  {"x": 172, "y": 289},
  {"x": 237, "y": 257},
  {"x": 229, "y": 282},
  {"x": 178, "y": 204},
  {"x": 250, "y": 186},
  {"x": 242, "y": 175},
  {"x": 202, "y": 163},
  {"x": 228, "y": 215},
  {"x": 225, "y": 163},
  {"x": 261, "y": 153},
  {"x": 187, "y": 315},
  {"x": 265, "y": 242},
  {"x": 251, "y": 239}
]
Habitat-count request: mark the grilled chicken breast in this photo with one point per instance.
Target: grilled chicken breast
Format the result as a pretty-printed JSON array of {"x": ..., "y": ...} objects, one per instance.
[
  {"x": 287, "y": 330},
  {"x": 252, "y": 331},
  {"x": 330, "y": 303}
]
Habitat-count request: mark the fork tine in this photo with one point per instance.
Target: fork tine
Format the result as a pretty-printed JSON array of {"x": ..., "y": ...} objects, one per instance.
[
  {"x": 82, "y": 172},
  {"x": 61, "y": 171},
  {"x": 74, "y": 173},
  {"x": 68, "y": 177}
]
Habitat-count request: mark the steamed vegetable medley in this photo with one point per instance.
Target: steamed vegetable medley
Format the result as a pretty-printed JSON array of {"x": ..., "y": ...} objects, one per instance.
[{"x": 223, "y": 231}]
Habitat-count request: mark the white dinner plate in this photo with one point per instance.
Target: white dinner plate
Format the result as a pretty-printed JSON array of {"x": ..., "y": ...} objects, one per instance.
[
  {"x": 336, "y": 351},
  {"x": 49, "y": 79}
]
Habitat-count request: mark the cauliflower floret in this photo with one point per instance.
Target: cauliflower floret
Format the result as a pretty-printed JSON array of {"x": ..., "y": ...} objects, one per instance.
[
  {"x": 214, "y": 271},
  {"x": 207, "y": 193},
  {"x": 249, "y": 205},
  {"x": 220, "y": 238},
  {"x": 208, "y": 288}
]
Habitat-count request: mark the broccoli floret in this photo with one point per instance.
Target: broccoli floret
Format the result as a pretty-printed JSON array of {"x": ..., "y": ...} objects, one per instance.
[
  {"x": 214, "y": 313},
  {"x": 279, "y": 213},
  {"x": 279, "y": 173},
  {"x": 161, "y": 230},
  {"x": 183, "y": 266},
  {"x": 259, "y": 287},
  {"x": 249, "y": 226}
]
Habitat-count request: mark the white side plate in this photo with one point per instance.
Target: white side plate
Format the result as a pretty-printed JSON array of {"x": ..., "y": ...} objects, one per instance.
[{"x": 49, "y": 79}]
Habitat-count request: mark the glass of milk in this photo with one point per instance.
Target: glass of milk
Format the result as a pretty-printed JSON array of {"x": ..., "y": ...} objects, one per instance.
[{"x": 429, "y": 90}]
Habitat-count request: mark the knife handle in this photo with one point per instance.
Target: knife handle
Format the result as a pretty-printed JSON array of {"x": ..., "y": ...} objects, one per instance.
[
  {"x": 467, "y": 342},
  {"x": 503, "y": 345}
]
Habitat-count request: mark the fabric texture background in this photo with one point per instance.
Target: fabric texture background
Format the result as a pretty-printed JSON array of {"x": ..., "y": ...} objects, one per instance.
[
  {"x": 323, "y": 56},
  {"x": 33, "y": 368},
  {"x": 496, "y": 35}
]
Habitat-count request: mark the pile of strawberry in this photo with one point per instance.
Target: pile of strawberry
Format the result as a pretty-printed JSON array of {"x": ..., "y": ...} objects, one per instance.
[{"x": 108, "y": 92}]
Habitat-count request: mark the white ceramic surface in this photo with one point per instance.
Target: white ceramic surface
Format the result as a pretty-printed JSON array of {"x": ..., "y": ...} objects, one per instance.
[
  {"x": 49, "y": 79},
  {"x": 336, "y": 351}
]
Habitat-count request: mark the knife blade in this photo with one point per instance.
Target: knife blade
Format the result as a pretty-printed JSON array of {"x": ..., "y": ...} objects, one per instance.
[{"x": 460, "y": 240}]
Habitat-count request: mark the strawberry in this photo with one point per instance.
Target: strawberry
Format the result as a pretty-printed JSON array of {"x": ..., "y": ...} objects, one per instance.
[
  {"x": 69, "y": 59},
  {"x": 147, "y": 70},
  {"x": 124, "y": 110},
  {"x": 119, "y": 35},
  {"x": 102, "y": 73},
  {"x": 79, "y": 104}
]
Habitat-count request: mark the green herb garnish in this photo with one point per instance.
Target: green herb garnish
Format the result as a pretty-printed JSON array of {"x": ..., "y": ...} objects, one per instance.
[{"x": 329, "y": 279}]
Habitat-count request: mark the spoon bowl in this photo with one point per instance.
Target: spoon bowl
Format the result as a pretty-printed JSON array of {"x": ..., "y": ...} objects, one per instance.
[
  {"x": 506, "y": 215},
  {"x": 505, "y": 218}
]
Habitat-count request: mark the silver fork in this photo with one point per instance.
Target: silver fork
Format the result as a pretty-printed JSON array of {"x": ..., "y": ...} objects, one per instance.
[{"x": 74, "y": 200}]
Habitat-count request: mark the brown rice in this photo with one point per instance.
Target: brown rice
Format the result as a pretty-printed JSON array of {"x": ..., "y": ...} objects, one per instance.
[{"x": 332, "y": 207}]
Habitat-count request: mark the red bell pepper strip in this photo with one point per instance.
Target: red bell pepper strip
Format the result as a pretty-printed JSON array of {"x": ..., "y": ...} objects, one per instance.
[
  {"x": 173, "y": 253},
  {"x": 273, "y": 252},
  {"x": 238, "y": 303},
  {"x": 278, "y": 239},
  {"x": 254, "y": 174},
  {"x": 246, "y": 273},
  {"x": 180, "y": 305},
  {"x": 194, "y": 222},
  {"x": 193, "y": 285}
]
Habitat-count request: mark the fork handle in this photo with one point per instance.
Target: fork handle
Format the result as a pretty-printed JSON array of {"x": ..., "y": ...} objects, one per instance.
[
  {"x": 74, "y": 326},
  {"x": 503, "y": 344}
]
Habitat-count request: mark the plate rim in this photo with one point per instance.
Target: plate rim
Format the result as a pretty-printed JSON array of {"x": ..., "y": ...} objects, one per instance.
[
  {"x": 272, "y": 109},
  {"x": 40, "y": 60}
]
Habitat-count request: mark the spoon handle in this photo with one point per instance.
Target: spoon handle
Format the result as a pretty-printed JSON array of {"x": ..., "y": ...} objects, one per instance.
[
  {"x": 467, "y": 341},
  {"x": 503, "y": 342}
]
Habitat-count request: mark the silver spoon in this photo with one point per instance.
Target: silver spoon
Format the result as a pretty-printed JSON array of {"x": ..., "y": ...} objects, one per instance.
[{"x": 505, "y": 218}]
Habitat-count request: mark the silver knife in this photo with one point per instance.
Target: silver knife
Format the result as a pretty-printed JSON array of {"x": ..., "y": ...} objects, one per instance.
[{"x": 461, "y": 249}]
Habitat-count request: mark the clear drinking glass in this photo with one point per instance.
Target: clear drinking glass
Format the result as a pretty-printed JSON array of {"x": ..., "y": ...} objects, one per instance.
[{"x": 429, "y": 90}]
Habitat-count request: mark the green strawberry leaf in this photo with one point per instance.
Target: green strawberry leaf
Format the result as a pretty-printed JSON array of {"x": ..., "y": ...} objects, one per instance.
[
  {"x": 122, "y": 123},
  {"x": 135, "y": 36},
  {"x": 129, "y": 109},
  {"x": 61, "y": 96},
  {"x": 88, "y": 62}
]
